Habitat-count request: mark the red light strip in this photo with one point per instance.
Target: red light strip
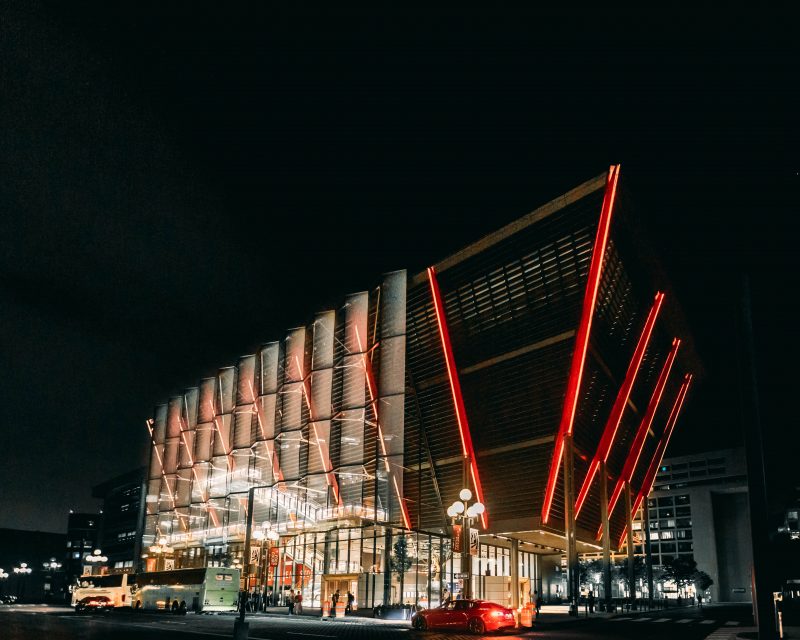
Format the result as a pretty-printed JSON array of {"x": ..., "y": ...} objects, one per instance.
[
  {"x": 582, "y": 338},
  {"x": 614, "y": 418},
  {"x": 455, "y": 388},
  {"x": 330, "y": 478},
  {"x": 372, "y": 387},
  {"x": 658, "y": 456},
  {"x": 641, "y": 434}
]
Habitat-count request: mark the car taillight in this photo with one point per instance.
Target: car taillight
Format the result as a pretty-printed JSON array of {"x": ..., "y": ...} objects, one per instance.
[{"x": 497, "y": 614}]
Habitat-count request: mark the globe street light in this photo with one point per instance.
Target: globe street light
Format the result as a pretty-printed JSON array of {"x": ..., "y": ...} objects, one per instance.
[
  {"x": 22, "y": 570},
  {"x": 160, "y": 549},
  {"x": 3, "y": 576},
  {"x": 463, "y": 514}
]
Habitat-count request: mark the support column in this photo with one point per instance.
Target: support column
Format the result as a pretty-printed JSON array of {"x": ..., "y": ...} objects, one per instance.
[
  {"x": 606, "y": 537},
  {"x": 648, "y": 553},
  {"x": 569, "y": 526},
  {"x": 631, "y": 555},
  {"x": 466, "y": 560},
  {"x": 514, "y": 558}
]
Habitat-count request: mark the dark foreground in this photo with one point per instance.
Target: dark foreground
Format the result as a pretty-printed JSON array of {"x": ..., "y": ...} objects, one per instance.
[{"x": 34, "y": 622}]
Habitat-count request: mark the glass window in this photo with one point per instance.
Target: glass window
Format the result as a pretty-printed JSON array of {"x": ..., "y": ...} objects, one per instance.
[
  {"x": 667, "y": 535},
  {"x": 667, "y": 547},
  {"x": 680, "y": 476},
  {"x": 683, "y": 522},
  {"x": 699, "y": 473},
  {"x": 666, "y": 513},
  {"x": 685, "y": 546},
  {"x": 680, "y": 466},
  {"x": 683, "y": 535},
  {"x": 695, "y": 464},
  {"x": 683, "y": 511},
  {"x": 665, "y": 502},
  {"x": 716, "y": 461},
  {"x": 718, "y": 471},
  {"x": 682, "y": 499}
]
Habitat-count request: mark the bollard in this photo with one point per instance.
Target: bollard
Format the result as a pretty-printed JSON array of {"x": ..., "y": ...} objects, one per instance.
[
  {"x": 241, "y": 630},
  {"x": 326, "y": 608}
]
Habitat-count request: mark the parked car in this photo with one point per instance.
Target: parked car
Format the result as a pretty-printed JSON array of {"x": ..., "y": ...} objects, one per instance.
[
  {"x": 477, "y": 616},
  {"x": 94, "y": 603},
  {"x": 9, "y": 599}
]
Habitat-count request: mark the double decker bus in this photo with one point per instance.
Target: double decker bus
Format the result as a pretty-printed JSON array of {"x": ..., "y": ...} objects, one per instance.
[
  {"x": 208, "y": 589},
  {"x": 119, "y": 588}
]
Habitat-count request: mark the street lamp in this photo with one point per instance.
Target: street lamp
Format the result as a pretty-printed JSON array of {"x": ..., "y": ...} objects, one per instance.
[
  {"x": 22, "y": 570},
  {"x": 160, "y": 549},
  {"x": 463, "y": 514},
  {"x": 3, "y": 576},
  {"x": 265, "y": 532}
]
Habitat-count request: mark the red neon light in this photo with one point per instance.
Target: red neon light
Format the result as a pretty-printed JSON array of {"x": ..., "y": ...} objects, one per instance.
[
  {"x": 641, "y": 434},
  {"x": 650, "y": 476},
  {"x": 614, "y": 418},
  {"x": 658, "y": 456},
  {"x": 467, "y": 449},
  {"x": 582, "y": 338}
]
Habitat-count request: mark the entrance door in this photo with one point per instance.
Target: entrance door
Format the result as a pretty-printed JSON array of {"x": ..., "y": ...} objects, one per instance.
[
  {"x": 524, "y": 591},
  {"x": 342, "y": 584}
]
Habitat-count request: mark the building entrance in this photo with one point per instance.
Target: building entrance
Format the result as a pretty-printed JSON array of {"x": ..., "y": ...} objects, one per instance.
[{"x": 341, "y": 583}]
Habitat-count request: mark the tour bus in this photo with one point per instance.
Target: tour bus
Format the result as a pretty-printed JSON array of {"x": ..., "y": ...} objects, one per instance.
[
  {"x": 119, "y": 588},
  {"x": 209, "y": 589}
]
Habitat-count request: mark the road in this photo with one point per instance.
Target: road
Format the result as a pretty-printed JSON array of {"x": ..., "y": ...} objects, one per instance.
[{"x": 33, "y": 622}]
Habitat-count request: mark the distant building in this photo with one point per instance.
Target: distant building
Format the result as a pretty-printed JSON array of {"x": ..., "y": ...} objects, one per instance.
[
  {"x": 83, "y": 535},
  {"x": 42, "y": 553},
  {"x": 120, "y": 529},
  {"x": 699, "y": 509}
]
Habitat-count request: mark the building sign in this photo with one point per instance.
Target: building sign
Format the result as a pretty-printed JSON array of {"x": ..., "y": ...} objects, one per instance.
[
  {"x": 474, "y": 542},
  {"x": 457, "y": 538},
  {"x": 274, "y": 556},
  {"x": 169, "y": 564},
  {"x": 255, "y": 555}
]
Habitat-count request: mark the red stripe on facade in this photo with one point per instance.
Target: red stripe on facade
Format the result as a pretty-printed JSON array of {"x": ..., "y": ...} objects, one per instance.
[
  {"x": 467, "y": 449},
  {"x": 582, "y": 337},
  {"x": 614, "y": 418}
]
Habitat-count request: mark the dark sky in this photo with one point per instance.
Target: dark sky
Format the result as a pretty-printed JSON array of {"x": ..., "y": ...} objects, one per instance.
[{"x": 179, "y": 184}]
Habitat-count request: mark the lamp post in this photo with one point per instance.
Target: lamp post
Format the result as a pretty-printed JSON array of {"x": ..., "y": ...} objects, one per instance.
[
  {"x": 463, "y": 514},
  {"x": 3, "y": 576},
  {"x": 96, "y": 558},
  {"x": 262, "y": 534},
  {"x": 160, "y": 549},
  {"x": 22, "y": 570}
]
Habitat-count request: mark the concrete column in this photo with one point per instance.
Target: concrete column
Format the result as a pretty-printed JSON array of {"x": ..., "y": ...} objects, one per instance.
[
  {"x": 569, "y": 526},
  {"x": 648, "y": 553},
  {"x": 631, "y": 555},
  {"x": 606, "y": 536},
  {"x": 514, "y": 558}
]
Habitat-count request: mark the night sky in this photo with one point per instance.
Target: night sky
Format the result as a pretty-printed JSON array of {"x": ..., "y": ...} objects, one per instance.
[{"x": 178, "y": 185}]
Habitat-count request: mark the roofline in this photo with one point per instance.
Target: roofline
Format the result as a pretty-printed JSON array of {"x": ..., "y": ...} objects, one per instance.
[{"x": 573, "y": 195}]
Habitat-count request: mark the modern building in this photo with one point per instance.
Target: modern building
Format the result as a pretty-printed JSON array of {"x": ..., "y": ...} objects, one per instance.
[
  {"x": 699, "y": 510},
  {"x": 543, "y": 368},
  {"x": 31, "y": 566},
  {"x": 120, "y": 529},
  {"x": 83, "y": 536}
]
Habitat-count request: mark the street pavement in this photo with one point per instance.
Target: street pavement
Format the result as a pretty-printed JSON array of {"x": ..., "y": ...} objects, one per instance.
[{"x": 26, "y": 622}]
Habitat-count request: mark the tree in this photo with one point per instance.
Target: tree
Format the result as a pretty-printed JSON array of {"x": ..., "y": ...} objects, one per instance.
[
  {"x": 681, "y": 571},
  {"x": 702, "y": 581},
  {"x": 620, "y": 571},
  {"x": 401, "y": 562},
  {"x": 591, "y": 571}
]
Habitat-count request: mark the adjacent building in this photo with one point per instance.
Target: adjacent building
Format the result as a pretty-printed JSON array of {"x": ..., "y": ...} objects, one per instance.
[
  {"x": 31, "y": 566},
  {"x": 699, "y": 510},
  {"x": 83, "y": 536},
  {"x": 543, "y": 367},
  {"x": 120, "y": 529}
]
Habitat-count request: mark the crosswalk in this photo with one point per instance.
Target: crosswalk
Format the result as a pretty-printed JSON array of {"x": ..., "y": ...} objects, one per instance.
[{"x": 640, "y": 619}]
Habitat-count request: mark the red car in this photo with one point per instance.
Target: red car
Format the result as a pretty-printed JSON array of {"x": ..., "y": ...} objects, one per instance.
[{"x": 477, "y": 616}]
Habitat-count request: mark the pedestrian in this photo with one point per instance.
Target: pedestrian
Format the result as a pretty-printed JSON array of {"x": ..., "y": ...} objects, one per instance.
[
  {"x": 334, "y": 600},
  {"x": 350, "y": 599},
  {"x": 182, "y": 608},
  {"x": 298, "y": 603},
  {"x": 291, "y": 602},
  {"x": 538, "y": 603},
  {"x": 700, "y": 600},
  {"x": 175, "y": 606},
  {"x": 447, "y": 596},
  {"x": 591, "y": 601}
]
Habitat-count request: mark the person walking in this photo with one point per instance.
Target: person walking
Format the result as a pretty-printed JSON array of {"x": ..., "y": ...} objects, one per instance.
[
  {"x": 298, "y": 603},
  {"x": 291, "y": 602},
  {"x": 350, "y": 599},
  {"x": 590, "y": 599},
  {"x": 538, "y": 602},
  {"x": 334, "y": 601}
]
